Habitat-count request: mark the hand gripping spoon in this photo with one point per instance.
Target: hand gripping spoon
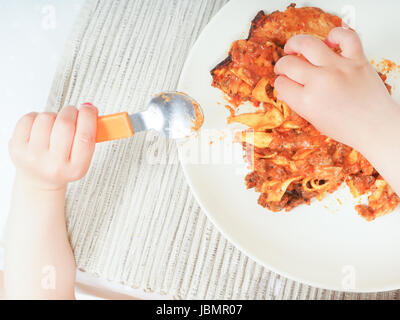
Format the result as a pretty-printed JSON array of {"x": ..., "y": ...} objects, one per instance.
[{"x": 173, "y": 114}]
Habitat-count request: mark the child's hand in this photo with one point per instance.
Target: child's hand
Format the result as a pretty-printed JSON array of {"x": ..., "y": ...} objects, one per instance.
[
  {"x": 340, "y": 94},
  {"x": 50, "y": 150}
]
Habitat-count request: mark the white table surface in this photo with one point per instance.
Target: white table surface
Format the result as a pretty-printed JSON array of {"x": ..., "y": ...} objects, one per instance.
[{"x": 33, "y": 35}]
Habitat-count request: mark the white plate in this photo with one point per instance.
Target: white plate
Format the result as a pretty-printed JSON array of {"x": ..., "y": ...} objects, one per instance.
[{"x": 326, "y": 244}]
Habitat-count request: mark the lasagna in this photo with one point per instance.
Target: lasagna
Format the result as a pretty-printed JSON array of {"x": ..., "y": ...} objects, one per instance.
[{"x": 291, "y": 162}]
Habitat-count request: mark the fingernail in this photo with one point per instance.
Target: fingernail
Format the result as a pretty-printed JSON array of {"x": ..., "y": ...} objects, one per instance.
[{"x": 87, "y": 104}]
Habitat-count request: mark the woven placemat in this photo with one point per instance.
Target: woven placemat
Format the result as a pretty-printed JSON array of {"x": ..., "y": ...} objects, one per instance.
[{"x": 133, "y": 219}]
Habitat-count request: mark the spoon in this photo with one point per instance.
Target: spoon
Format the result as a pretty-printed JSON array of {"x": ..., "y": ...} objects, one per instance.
[{"x": 173, "y": 114}]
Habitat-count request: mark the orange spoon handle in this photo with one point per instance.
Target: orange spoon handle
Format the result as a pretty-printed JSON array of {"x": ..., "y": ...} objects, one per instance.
[{"x": 113, "y": 127}]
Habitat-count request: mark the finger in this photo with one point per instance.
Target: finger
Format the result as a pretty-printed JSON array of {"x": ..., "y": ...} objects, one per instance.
[
  {"x": 41, "y": 131},
  {"x": 313, "y": 49},
  {"x": 348, "y": 41},
  {"x": 63, "y": 132},
  {"x": 295, "y": 68},
  {"x": 22, "y": 131},
  {"x": 84, "y": 141},
  {"x": 288, "y": 91}
]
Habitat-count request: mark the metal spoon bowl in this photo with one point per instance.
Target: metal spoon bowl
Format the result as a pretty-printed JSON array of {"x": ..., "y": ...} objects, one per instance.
[{"x": 173, "y": 114}]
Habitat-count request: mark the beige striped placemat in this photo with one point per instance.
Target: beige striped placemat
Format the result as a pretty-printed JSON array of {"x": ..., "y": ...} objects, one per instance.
[{"x": 132, "y": 219}]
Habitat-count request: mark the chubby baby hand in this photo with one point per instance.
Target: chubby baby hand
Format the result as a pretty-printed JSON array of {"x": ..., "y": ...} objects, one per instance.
[
  {"x": 49, "y": 150},
  {"x": 341, "y": 94}
]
